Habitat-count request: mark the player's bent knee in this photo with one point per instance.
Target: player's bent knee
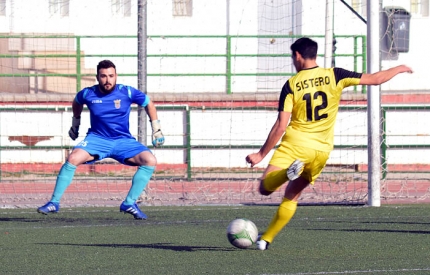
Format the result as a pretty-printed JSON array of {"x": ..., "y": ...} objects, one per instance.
[
  {"x": 79, "y": 156},
  {"x": 144, "y": 158},
  {"x": 151, "y": 161},
  {"x": 263, "y": 191}
]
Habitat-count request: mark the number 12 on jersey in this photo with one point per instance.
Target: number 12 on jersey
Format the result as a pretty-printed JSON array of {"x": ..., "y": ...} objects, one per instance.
[{"x": 314, "y": 114}]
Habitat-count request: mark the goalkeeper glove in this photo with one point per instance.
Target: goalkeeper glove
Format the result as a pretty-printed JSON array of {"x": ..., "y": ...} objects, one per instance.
[
  {"x": 157, "y": 135},
  {"x": 74, "y": 130}
]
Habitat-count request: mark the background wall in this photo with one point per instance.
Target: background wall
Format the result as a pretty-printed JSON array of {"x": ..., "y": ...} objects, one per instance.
[{"x": 238, "y": 17}]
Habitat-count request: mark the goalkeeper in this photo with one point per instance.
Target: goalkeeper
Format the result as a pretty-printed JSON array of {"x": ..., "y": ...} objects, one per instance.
[
  {"x": 109, "y": 104},
  {"x": 308, "y": 106}
]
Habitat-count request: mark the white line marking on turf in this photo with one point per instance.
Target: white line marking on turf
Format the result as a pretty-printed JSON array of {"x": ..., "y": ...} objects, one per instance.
[
  {"x": 115, "y": 224},
  {"x": 356, "y": 272}
]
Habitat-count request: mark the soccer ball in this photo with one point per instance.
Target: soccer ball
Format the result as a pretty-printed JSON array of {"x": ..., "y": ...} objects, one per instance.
[{"x": 242, "y": 233}]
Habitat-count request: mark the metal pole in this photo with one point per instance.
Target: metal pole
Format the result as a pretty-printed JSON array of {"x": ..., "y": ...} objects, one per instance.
[
  {"x": 78, "y": 64},
  {"x": 0, "y": 150},
  {"x": 142, "y": 66},
  {"x": 328, "y": 54},
  {"x": 374, "y": 105},
  {"x": 228, "y": 48}
]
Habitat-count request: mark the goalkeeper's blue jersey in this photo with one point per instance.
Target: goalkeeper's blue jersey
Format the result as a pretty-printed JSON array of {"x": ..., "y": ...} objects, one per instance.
[{"x": 110, "y": 113}]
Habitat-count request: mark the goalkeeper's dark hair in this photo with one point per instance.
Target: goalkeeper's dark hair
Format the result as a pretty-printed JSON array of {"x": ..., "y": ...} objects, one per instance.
[
  {"x": 105, "y": 64},
  {"x": 306, "y": 47}
]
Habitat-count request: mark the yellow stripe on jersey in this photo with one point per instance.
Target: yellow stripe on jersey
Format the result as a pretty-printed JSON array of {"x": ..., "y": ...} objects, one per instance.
[{"x": 312, "y": 96}]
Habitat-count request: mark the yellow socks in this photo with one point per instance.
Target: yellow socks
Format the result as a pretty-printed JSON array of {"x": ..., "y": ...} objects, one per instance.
[
  {"x": 275, "y": 179},
  {"x": 286, "y": 209},
  {"x": 284, "y": 214}
]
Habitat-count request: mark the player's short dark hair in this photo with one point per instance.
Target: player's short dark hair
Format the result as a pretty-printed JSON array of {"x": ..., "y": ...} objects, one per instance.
[
  {"x": 105, "y": 64},
  {"x": 306, "y": 47}
]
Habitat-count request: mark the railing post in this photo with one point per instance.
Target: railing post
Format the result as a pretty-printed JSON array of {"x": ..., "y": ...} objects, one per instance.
[
  {"x": 355, "y": 59},
  {"x": 0, "y": 150},
  {"x": 364, "y": 55},
  {"x": 188, "y": 138},
  {"x": 228, "y": 64},
  {"x": 78, "y": 64},
  {"x": 384, "y": 143}
]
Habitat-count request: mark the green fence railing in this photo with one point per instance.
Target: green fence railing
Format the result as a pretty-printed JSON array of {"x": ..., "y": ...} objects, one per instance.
[
  {"x": 189, "y": 147},
  {"x": 357, "y": 54}
]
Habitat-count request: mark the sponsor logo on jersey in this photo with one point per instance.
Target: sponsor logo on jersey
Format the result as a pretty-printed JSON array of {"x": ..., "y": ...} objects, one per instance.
[
  {"x": 96, "y": 101},
  {"x": 83, "y": 143}
]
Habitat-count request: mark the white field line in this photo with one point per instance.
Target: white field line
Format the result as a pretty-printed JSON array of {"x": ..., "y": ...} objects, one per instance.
[{"x": 357, "y": 271}]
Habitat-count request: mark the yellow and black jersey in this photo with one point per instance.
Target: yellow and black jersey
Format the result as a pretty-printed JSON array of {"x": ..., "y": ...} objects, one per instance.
[{"x": 312, "y": 96}]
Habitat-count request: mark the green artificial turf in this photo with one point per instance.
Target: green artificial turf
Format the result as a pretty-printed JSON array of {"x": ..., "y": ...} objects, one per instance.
[{"x": 192, "y": 240}]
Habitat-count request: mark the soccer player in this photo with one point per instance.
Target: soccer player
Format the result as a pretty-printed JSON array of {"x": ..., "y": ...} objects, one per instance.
[
  {"x": 109, "y": 104},
  {"x": 308, "y": 106}
]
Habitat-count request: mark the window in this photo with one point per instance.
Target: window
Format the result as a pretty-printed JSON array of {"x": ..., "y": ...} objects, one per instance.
[
  {"x": 121, "y": 7},
  {"x": 2, "y": 7},
  {"x": 420, "y": 7},
  {"x": 182, "y": 7},
  {"x": 360, "y": 7},
  {"x": 59, "y": 7}
]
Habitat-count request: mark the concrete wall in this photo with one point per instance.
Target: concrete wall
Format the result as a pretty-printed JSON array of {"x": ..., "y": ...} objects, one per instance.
[
  {"x": 213, "y": 127},
  {"x": 208, "y": 18}
]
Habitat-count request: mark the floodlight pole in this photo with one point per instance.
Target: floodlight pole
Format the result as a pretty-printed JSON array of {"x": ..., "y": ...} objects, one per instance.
[
  {"x": 142, "y": 66},
  {"x": 373, "y": 106}
]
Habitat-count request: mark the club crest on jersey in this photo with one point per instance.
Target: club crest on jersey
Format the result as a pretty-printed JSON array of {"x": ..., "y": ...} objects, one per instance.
[{"x": 117, "y": 103}]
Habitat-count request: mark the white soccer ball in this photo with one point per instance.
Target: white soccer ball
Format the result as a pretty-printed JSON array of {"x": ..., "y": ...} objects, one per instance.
[{"x": 242, "y": 233}]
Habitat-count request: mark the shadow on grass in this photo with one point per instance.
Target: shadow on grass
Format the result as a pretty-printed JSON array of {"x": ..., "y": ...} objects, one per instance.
[
  {"x": 374, "y": 222},
  {"x": 164, "y": 246},
  {"x": 18, "y": 220},
  {"x": 372, "y": 230},
  {"x": 78, "y": 220}
]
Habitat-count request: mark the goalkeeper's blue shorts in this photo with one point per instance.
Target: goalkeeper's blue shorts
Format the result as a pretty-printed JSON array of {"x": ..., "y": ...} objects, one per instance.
[{"x": 119, "y": 149}]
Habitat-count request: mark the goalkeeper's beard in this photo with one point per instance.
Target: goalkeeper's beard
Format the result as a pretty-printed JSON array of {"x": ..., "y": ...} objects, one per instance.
[{"x": 107, "y": 90}]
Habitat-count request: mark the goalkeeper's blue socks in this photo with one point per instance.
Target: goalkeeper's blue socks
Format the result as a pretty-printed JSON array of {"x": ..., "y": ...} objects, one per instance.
[
  {"x": 139, "y": 182},
  {"x": 64, "y": 178}
]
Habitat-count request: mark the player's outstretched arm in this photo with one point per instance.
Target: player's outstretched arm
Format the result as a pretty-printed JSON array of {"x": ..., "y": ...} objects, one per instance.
[
  {"x": 383, "y": 76},
  {"x": 157, "y": 135}
]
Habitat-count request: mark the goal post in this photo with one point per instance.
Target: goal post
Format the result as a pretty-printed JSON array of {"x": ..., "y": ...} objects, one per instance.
[
  {"x": 374, "y": 105},
  {"x": 142, "y": 68},
  {"x": 374, "y": 97}
]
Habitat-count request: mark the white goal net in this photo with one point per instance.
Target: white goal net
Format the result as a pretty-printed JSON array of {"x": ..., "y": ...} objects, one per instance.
[{"x": 214, "y": 72}]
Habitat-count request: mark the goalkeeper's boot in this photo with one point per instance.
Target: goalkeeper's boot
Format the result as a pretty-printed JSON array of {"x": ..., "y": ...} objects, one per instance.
[
  {"x": 262, "y": 244},
  {"x": 134, "y": 210},
  {"x": 50, "y": 207},
  {"x": 295, "y": 169}
]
